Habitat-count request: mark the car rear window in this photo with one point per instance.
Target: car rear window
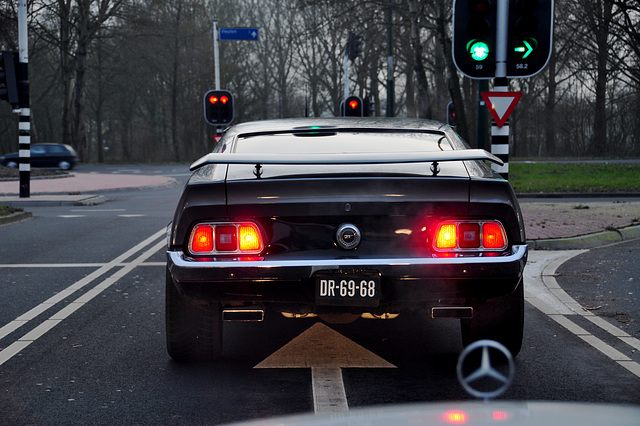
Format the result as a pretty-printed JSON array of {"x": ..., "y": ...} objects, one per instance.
[{"x": 343, "y": 142}]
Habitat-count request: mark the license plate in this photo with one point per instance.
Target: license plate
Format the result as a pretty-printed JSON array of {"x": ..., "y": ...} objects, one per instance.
[{"x": 346, "y": 290}]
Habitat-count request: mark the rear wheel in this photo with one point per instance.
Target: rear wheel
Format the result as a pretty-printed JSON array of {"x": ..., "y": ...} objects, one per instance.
[
  {"x": 501, "y": 320},
  {"x": 64, "y": 165},
  {"x": 194, "y": 331}
]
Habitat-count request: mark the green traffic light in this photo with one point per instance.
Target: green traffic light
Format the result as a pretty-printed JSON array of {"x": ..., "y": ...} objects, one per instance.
[
  {"x": 526, "y": 47},
  {"x": 479, "y": 50}
]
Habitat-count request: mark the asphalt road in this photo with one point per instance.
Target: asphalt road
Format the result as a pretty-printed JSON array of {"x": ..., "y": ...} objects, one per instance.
[{"x": 82, "y": 334}]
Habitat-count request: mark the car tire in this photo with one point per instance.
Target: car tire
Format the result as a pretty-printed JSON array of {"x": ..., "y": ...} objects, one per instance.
[
  {"x": 500, "y": 320},
  {"x": 193, "y": 331},
  {"x": 64, "y": 165}
]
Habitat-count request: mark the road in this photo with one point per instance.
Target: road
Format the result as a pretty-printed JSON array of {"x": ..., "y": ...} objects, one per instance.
[{"x": 82, "y": 333}]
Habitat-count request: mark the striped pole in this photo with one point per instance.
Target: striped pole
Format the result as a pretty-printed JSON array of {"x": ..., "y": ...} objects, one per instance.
[
  {"x": 500, "y": 135},
  {"x": 24, "y": 126}
]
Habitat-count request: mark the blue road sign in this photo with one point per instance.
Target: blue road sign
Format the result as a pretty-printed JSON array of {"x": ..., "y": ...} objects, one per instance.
[{"x": 238, "y": 33}]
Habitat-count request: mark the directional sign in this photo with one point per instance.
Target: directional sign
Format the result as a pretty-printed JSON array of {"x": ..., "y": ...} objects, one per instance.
[
  {"x": 239, "y": 34},
  {"x": 501, "y": 105},
  {"x": 326, "y": 352}
]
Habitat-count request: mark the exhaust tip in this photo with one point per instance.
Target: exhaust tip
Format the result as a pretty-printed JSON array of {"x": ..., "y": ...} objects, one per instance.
[
  {"x": 463, "y": 312},
  {"x": 243, "y": 315}
]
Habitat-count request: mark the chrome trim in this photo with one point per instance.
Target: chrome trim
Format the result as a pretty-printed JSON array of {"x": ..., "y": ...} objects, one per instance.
[
  {"x": 177, "y": 258},
  {"x": 243, "y": 315}
]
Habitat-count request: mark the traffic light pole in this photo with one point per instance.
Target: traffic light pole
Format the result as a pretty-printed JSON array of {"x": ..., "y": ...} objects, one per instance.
[
  {"x": 500, "y": 135},
  {"x": 216, "y": 66},
  {"x": 24, "y": 124}
]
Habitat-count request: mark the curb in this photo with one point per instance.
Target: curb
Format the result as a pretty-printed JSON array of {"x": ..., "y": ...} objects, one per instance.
[
  {"x": 53, "y": 201},
  {"x": 587, "y": 241},
  {"x": 14, "y": 217}
]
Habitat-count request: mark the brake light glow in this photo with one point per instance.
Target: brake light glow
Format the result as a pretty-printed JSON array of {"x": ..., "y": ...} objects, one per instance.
[
  {"x": 447, "y": 236},
  {"x": 249, "y": 238},
  {"x": 202, "y": 239},
  {"x": 470, "y": 236},
  {"x": 225, "y": 238},
  {"x": 455, "y": 417},
  {"x": 493, "y": 235}
]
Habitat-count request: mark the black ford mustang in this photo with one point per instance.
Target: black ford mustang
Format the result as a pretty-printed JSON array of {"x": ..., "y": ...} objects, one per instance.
[{"x": 343, "y": 219}]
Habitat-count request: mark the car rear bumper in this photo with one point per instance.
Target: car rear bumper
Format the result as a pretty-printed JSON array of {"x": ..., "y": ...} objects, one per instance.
[{"x": 404, "y": 281}]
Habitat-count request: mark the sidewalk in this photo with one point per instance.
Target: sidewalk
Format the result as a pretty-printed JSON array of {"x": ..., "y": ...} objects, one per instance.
[
  {"x": 548, "y": 225},
  {"x": 76, "y": 189}
]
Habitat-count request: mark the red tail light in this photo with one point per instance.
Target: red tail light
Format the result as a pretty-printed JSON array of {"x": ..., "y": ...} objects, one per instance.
[
  {"x": 225, "y": 238},
  {"x": 202, "y": 239},
  {"x": 469, "y": 236},
  {"x": 493, "y": 236}
]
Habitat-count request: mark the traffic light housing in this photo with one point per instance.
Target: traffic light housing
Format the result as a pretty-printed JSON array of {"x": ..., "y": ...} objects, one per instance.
[
  {"x": 218, "y": 107},
  {"x": 530, "y": 36},
  {"x": 354, "y": 46},
  {"x": 352, "y": 107},
  {"x": 474, "y": 37},
  {"x": 451, "y": 114},
  {"x": 9, "y": 78}
]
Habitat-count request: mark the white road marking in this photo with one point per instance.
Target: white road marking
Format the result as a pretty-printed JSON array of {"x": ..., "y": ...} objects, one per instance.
[
  {"x": 326, "y": 352},
  {"x": 15, "y": 348},
  {"x": 71, "y": 216},
  {"x": 544, "y": 293},
  {"x": 98, "y": 210},
  {"x": 71, "y": 265},
  {"x": 131, "y": 215},
  {"x": 329, "y": 395},
  {"x": 53, "y": 300}
]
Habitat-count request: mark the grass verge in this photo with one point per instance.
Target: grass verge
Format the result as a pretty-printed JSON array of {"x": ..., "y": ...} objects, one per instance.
[{"x": 574, "y": 177}]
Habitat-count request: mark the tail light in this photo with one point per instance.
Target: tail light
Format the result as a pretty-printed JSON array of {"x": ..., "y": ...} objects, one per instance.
[
  {"x": 225, "y": 238},
  {"x": 484, "y": 235}
]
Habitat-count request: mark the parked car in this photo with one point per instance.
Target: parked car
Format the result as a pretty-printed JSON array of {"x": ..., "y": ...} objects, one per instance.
[
  {"x": 343, "y": 219},
  {"x": 57, "y": 155}
]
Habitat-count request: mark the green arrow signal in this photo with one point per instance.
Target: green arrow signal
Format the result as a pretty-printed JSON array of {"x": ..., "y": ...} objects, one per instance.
[{"x": 527, "y": 49}]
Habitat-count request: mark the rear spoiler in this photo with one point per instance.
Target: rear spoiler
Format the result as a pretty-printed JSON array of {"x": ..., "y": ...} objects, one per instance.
[{"x": 350, "y": 158}]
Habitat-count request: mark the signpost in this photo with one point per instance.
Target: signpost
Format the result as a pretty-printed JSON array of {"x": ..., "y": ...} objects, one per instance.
[{"x": 220, "y": 111}]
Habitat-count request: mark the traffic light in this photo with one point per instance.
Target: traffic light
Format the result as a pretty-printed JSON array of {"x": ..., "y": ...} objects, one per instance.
[
  {"x": 352, "y": 107},
  {"x": 218, "y": 107},
  {"x": 9, "y": 79},
  {"x": 530, "y": 35},
  {"x": 474, "y": 37},
  {"x": 354, "y": 46},
  {"x": 451, "y": 114}
]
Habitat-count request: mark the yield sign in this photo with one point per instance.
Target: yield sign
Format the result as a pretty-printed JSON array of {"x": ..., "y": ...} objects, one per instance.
[{"x": 501, "y": 104}]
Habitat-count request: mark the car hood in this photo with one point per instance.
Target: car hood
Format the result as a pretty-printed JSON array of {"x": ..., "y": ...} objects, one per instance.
[{"x": 469, "y": 413}]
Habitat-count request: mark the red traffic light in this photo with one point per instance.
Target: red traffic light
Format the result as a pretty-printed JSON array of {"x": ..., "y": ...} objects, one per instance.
[
  {"x": 353, "y": 104},
  {"x": 218, "y": 107},
  {"x": 214, "y": 100}
]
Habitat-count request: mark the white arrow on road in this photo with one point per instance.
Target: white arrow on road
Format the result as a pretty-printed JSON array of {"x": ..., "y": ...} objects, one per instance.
[{"x": 326, "y": 352}]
